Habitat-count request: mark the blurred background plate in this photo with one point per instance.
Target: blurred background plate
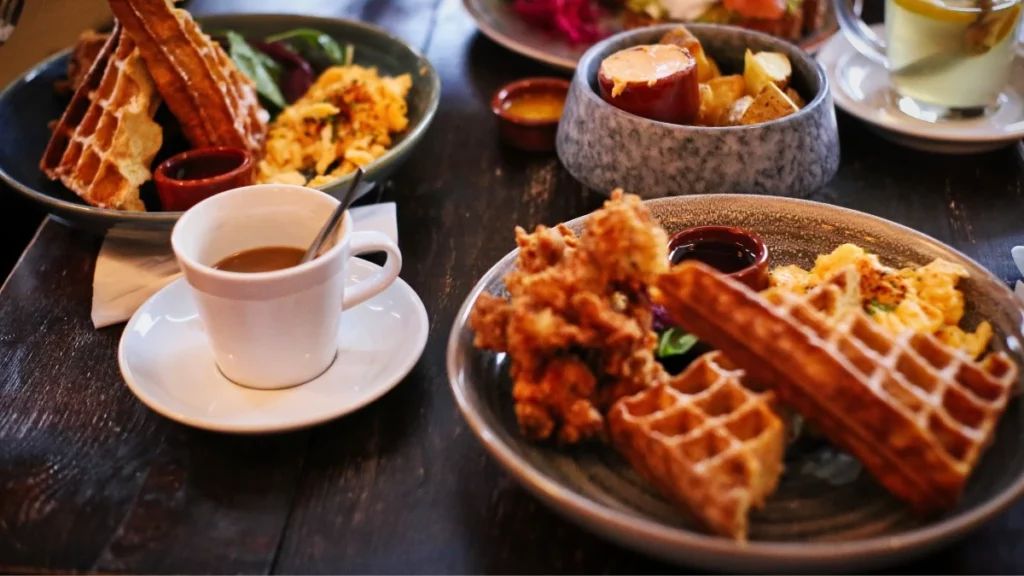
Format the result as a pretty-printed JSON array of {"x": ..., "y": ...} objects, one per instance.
[
  {"x": 29, "y": 103},
  {"x": 497, "y": 20},
  {"x": 828, "y": 514}
]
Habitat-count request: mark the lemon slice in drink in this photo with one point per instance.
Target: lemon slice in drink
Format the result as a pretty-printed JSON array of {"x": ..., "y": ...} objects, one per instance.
[
  {"x": 953, "y": 12},
  {"x": 990, "y": 30}
]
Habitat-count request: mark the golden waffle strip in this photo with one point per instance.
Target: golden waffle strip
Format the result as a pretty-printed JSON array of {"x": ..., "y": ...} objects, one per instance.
[
  {"x": 916, "y": 413},
  {"x": 704, "y": 441},
  {"x": 106, "y": 140},
  {"x": 215, "y": 104}
]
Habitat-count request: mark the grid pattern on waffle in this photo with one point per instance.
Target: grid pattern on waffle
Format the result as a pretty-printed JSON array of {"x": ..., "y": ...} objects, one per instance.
[
  {"x": 250, "y": 120},
  {"x": 107, "y": 138},
  {"x": 705, "y": 441},
  {"x": 215, "y": 104},
  {"x": 952, "y": 402}
]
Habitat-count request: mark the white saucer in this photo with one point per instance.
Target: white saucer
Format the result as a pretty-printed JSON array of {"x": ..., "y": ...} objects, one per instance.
[
  {"x": 165, "y": 360},
  {"x": 860, "y": 87}
]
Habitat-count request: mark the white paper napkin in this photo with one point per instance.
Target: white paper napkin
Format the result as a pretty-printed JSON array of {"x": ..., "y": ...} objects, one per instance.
[{"x": 129, "y": 272}]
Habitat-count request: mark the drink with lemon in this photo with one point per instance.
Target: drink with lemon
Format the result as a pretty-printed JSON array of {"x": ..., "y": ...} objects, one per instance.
[{"x": 950, "y": 57}]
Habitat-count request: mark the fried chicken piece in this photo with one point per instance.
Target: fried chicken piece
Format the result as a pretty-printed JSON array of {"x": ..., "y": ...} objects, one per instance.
[
  {"x": 577, "y": 323},
  {"x": 489, "y": 318}
]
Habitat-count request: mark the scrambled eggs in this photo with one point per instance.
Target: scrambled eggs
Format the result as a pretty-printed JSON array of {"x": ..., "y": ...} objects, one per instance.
[
  {"x": 344, "y": 120},
  {"x": 923, "y": 299}
]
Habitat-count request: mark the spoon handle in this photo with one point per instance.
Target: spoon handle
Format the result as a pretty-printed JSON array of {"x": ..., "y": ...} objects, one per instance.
[{"x": 332, "y": 223}]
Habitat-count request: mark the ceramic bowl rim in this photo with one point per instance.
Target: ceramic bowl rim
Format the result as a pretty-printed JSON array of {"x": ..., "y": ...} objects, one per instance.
[
  {"x": 581, "y": 76},
  {"x": 652, "y": 531},
  {"x": 80, "y": 209}
]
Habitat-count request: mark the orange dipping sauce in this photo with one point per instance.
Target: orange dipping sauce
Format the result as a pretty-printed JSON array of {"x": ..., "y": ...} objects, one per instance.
[{"x": 536, "y": 106}]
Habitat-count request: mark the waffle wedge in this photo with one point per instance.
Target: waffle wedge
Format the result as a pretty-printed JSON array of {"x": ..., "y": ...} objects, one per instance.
[
  {"x": 705, "y": 441},
  {"x": 213, "y": 101},
  {"x": 916, "y": 413},
  {"x": 105, "y": 142}
]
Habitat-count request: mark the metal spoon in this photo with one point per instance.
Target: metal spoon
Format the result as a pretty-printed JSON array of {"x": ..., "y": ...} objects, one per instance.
[{"x": 332, "y": 223}]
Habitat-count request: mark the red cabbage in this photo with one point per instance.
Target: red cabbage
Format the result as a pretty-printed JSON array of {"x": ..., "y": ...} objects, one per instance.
[{"x": 575, "y": 20}]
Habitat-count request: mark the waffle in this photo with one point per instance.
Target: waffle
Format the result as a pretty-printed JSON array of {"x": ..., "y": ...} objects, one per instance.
[
  {"x": 106, "y": 139},
  {"x": 705, "y": 441},
  {"x": 215, "y": 104},
  {"x": 916, "y": 413}
]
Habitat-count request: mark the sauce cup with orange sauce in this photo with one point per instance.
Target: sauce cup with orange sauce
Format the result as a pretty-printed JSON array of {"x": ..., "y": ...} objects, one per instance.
[{"x": 528, "y": 112}]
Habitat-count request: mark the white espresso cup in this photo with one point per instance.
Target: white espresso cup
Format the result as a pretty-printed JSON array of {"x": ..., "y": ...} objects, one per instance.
[{"x": 274, "y": 329}]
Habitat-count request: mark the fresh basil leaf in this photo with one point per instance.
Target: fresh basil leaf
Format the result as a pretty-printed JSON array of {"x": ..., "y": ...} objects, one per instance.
[
  {"x": 310, "y": 39},
  {"x": 250, "y": 62},
  {"x": 675, "y": 342},
  {"x": 270, "y": 64}
]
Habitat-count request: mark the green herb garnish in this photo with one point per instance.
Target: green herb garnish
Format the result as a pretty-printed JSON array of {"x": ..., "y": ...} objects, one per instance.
[
  {"x": 874, "y": 307},
  {"x": 675, "y": 342},
  {"x": 254, "y": 64},
  {"x": 314, "y": 39}
]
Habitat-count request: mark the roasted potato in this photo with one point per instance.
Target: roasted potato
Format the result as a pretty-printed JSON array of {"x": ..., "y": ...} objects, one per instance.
[
  {"x": 795, "y": 97},
  {"x": 680, "y": 36},
  {"x": 734, "y": 114},
  {"x": 771, "y": 104},
  {"x": 716, "y": 96},
  {"x": 714, "y": 71},
  {"x": 765, "y": 68},
  {"x": 707, "y": 114}
]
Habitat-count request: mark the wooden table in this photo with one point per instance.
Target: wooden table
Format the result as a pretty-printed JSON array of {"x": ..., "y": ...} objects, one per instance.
[{"x": 91, "y": 480}]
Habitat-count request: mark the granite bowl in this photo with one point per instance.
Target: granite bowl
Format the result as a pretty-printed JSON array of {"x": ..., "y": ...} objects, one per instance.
[{"x": 605, "y": 148}]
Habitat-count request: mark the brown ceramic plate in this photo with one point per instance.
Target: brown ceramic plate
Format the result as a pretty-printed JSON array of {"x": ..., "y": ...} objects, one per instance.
[
  {"x": 828, "y": 514},
  {"x": 500, "y": 23}
]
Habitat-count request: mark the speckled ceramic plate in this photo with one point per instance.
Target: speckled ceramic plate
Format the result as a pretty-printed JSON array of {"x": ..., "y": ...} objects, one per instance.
[
  {"x": 29, "y": 103},
  {"x": 828, "y": 514},
  {"x": 500, "y": 23}
]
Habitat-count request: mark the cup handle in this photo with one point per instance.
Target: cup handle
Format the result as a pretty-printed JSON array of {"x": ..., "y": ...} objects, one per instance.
[
  {"x": 362, "y": 243},
  {"x": 859, "y": 34}
]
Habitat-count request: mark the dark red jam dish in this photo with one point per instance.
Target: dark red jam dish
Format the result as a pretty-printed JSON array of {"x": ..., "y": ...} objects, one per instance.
[{"x": 184, "y": 180}]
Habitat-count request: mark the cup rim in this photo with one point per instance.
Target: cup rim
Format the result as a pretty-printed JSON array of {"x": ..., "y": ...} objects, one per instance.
[{"x": 285, "y": 273}]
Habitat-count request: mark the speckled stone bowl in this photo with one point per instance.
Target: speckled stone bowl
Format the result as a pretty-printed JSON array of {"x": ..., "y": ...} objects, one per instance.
[
  {"x": 605, "y": 148},
  {"x": 828, "y": 514}
]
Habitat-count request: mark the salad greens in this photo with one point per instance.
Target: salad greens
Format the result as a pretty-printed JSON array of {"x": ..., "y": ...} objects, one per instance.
[
  {"x": 307, "y": 42},
  {"x": 259, "y": 67},
  {"x": 283, "y": 66},
  {"x": 675, "y": 342}
]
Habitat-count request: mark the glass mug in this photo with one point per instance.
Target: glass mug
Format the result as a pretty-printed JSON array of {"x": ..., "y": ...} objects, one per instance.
[{"x": 946, "y": 59}]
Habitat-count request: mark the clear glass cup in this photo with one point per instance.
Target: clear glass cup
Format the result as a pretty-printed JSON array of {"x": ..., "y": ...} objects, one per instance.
[{"x": 946, "y": 59}]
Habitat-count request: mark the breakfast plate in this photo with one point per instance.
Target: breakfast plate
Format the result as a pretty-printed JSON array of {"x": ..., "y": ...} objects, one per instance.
[
  {"x": 828, "y": 513},
  {"x": 499, "y": 22},
  {"x": 167, "y": 363},
  {"x": 30, "y": 103},
  {"x": 860, "y": 87}
]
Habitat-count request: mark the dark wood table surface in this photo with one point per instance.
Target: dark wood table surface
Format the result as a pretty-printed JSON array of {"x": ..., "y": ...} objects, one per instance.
[{"x": 92, "y": 480}]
